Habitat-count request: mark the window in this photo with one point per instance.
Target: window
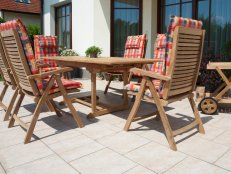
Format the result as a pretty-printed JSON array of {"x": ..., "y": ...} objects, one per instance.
[
  {"x": 23, "y": 1},
  {"x": 215, "y": 14},
  {"x": 126, "y": 20},
  {"x": 63, "y": 25},
  {"x": 174, "y": 7}
]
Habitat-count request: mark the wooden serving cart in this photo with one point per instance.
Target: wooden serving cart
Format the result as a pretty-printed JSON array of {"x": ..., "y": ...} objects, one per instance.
[{"x": 209, "y": 105}]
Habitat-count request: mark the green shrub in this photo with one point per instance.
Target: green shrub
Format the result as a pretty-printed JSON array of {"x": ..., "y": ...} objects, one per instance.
[
  {"x": 2, "y": 20},
  {"x": 33, "y": 30}
]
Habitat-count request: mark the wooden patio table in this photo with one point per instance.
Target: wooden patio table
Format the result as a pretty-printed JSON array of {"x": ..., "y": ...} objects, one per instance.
[{"x": 102, "y": 64}]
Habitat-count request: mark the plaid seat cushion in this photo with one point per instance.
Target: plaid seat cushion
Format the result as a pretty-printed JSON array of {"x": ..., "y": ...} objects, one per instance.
[
  {"x": 132, "y": 42},
  {"x": 160, "y": 41},
  {"x": 46, "y": 46},
  {"x": 135, "y": 87},
  {"x": 135, "y": 46},
  {"x": 68, "y": 84}
]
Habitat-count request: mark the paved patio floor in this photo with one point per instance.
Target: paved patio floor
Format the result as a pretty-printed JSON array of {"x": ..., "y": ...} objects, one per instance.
[{"x": 60, "y": 147}]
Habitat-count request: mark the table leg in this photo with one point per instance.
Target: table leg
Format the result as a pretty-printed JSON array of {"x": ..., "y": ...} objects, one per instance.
[
  {"x": 125, "y": 95},
  {"x": 93, "y": 92}
]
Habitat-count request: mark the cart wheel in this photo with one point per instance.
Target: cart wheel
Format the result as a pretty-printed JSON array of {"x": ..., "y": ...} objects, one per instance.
[{"x": 208, "y": 105}]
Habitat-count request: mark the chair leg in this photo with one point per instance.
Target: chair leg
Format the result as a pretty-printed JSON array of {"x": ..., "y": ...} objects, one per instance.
[
  {"x": 16, "y": 109},
  {"x": 34, "y": 119},
  {"x": 163, "y": 116},
  {"x": 3, "y": 92},
  {"x": 108, "y": 84},
  {"x": 196, "y": 114},
  {"x": 50, "y": 106},
  {"x": 2, "y": 96},
  {"x": 11, "y": 105},
  {"x": 69, "y": 104},
  {"x": 55, "y": 108},
  {"x": 37, "y": 111},
  {"x": 135, "y": 105}
]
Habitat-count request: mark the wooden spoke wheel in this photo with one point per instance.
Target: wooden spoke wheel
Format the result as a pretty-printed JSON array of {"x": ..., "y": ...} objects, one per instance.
[{"x": 208, "y": 105}]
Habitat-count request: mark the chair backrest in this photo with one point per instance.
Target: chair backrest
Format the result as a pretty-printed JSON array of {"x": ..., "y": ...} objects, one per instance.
[
  {"x": 46, "y": 46},
  {"x": 17, "y": 60},
  {"x": 21, "y": 29},
  {"x": 163, "y": 45},
  {"x": 185, "y": 58},
  {"x": 135, "y": 46},
  {"x": 5, "y": 68}
]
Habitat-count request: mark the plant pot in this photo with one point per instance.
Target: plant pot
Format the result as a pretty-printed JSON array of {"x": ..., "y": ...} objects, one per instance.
[{"x": 93, "y": 55}]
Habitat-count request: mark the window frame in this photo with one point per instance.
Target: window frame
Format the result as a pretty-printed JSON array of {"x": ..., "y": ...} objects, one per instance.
[
  {"x": 112, "y": 22},
  {"x": 56, "y": 21},
  {"x": 23, "y": 1},
  {"x": 195, "y": 4}
]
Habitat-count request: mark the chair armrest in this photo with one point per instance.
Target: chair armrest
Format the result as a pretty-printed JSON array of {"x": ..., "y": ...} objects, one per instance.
[
  {"x": 41, "y": 65},
  {"x": 45, "y": 74},
  {"x": 150, "y": 74}
]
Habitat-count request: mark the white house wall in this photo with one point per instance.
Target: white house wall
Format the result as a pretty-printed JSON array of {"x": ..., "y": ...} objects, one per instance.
[{"x": 91, "y": 23}]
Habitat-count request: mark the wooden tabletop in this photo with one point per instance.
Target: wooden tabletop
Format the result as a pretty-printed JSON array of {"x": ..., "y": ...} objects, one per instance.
[
  {"x": 221, "y": 65},
  {"x": 102, "y": 60}
]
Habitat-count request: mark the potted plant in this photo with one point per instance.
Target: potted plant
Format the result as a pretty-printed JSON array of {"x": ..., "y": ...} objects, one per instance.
[{"x": 93, "y": 52}]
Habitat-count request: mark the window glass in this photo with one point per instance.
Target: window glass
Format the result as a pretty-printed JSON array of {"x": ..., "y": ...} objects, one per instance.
[
  {"x": 169, "y": 11},
  {"x": 167, "y": 2},
  {"x": 63, "y": 25},
  {"x": 126, "y": 22},
  {"x": 220, "y": 27},
  {"x": 187, "y": 10},
  {"x": 203, "y": 15}
]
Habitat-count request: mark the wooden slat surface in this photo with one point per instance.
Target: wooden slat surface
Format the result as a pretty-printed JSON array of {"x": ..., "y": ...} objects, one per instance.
[
  {"x": 102, "y": 60},
  {"x": 221, "y": 65}
]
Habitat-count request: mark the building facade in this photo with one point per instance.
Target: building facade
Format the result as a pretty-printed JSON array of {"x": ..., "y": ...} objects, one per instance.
[
  {"x": 106, "y": 23},
  {"x": 26, "y": 10}
]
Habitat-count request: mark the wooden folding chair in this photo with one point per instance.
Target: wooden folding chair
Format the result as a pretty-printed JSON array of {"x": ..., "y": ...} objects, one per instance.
[
  {"x": 8, "y": 80},
  {"x": 179, "y": 82},
  {"x": 42, "y": 87},
  {"x": 135, "y": 47}
]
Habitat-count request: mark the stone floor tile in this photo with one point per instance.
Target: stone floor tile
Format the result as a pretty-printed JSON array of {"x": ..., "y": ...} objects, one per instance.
[
  {"x": 23, "y": 153},
  {"x": 2, "y": 171},
  {"x": 156, "y": 157},
  {"x": 203, "y": 149},
  {"x": 195, "y": 166},
  {"x": 210, "y": 132},
  {"x": 123, "y": 142},
  {"x": 96, "y": 131},
  {"x": 224, "y": 138},
  {"x": 139, "y": 170},
  {"x": 81, "y": 151},
  {"x": 53, "y": 135},
  {"x": 69, "y": 144},
  {"x": 48, "y": 165},
  {"x": 103, "y": 161},
  {"x": 12, "y": 137},
  {"x": 223, "y": 123},
  {"x": 225, "y": 161}
]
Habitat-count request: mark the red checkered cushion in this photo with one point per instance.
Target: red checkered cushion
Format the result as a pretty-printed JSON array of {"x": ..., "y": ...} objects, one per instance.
[
  {"x": 135, "y": 46},
  {"x": 159, "y": 53},
  {"x": 68, "y": 84},
  {"x": 46, "y": 46},
  {"x": 135, "y": 87},
  {"x": 17, "y": 24}
]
